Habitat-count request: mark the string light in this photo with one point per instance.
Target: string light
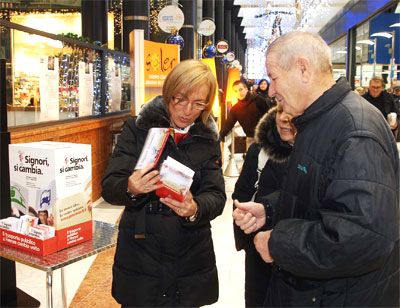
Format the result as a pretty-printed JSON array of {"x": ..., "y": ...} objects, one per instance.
[
  {"x": 97, "y": 84},
  {"x": 155, "y": 8},
  {"x": 116, "y": 8}
]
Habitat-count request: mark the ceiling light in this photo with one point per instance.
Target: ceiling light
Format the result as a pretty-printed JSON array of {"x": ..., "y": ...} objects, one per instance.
[
  {"x": 341, "y": 51},
  {"x": 382, "y": 34},
  {"x": 369, "y": 42}
]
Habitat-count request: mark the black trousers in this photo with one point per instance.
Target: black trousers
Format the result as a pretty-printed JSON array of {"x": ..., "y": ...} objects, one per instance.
[{"x": 257, "y": 276}]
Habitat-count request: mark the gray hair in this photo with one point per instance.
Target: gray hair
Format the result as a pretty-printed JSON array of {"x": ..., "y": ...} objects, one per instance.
[{"x": 296, "y": 44}]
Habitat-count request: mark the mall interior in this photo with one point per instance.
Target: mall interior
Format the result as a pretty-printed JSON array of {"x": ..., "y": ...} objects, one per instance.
[{"x": 75, "y": 70}]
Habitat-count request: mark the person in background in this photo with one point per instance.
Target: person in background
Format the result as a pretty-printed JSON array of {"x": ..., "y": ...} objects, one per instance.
[
  {"x": 262, "y": 89},
  {"x": 336, "y": 240},
  {"x": 382, "y": 100},
  {"x": 247, "y": 111},
  {"x": 164, "y": 255},
  {"x": 274, "y": 136},
  {"x": 396, "y": 97}
]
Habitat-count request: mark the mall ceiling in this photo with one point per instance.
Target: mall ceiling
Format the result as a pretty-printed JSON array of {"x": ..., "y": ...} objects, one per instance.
[{"x": 263, "y": 20}]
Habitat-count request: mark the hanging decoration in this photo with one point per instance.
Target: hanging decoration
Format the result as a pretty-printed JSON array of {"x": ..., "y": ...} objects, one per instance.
[
  {"x": 116, "y": 8},
  {"x": 155, "y": 8},
  {"x": 97, "y": 84},
  {"x": 170, "y": 20},
  {"x": 175, "y": 38},
  {"x": 209, "y": 50}
]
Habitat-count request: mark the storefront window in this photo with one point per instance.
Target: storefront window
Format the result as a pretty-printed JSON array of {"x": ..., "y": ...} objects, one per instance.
[
  {"x": 377, "y": 49},
  {"x": 339, "y": 52},
  {"x": 54, "y": 79},
  {"x": 364, "y": 54}
]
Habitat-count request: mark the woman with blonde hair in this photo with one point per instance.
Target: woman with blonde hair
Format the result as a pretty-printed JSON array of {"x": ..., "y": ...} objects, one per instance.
[{"x": 164, "y": 254}]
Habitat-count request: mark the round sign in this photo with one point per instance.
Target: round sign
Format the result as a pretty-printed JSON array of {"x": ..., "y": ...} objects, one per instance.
[
  {"x": 222, "y": 46},
  {"x": 230, "y": 56},
  {"x": 170, "y": 18},
  {"x": 206, "y": 27}
]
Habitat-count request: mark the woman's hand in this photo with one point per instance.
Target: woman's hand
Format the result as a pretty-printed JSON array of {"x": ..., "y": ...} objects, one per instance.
[
  {"x": 186, "y": 208},
  {"x": 142, "y": 181}
]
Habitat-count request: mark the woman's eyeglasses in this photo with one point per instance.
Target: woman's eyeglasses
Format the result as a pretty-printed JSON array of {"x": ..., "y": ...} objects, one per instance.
[{"x": 184, "y": 101}]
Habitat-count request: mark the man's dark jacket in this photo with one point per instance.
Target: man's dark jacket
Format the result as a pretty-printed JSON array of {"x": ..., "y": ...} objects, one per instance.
[
  {"x": 337, "y": 241},
  {"x": 257, "y": 272},
  {"x": 384, "y": 102},
  {"x": 174, "y": 265},
  {"x": 247, "y": 112}
]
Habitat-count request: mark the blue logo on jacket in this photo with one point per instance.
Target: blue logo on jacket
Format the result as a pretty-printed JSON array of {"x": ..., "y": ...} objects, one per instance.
[{"x": 302, "y": 168}]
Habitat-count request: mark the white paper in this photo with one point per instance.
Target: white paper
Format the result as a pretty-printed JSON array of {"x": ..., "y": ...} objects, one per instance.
[
  {"x": 116, "y": 88},
  {"x": 48, "y": 87},
  {"x": 152, "y": 147},
  {"x": 176, "y": 175},
  {"x": 85, "y": 88}
]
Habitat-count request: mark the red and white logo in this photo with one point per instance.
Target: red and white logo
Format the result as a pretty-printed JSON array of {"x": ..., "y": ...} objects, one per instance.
[{"x": 222, "y": 46}]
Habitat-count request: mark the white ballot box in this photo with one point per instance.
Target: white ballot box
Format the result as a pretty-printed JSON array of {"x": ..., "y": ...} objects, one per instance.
[{"x": 53, "y": 181}]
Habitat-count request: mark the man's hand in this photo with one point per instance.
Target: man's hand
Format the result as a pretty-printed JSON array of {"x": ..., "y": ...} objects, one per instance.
[
  {"x": 261, "y": 242},
  {"x": 249, "y": 216}
]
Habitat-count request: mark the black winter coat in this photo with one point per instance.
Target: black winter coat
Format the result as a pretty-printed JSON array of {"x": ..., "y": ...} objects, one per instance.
[
  {"x": 336, "y": 243},
  {"x": 267, "y": 137},
  {"x": 174, "y": 265},
  {"x": 257, "y": 272}
]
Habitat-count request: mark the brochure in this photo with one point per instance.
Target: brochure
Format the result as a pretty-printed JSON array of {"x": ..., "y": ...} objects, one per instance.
[
  {"x": 153, "y": 146},
  {"x": 176, "y": 179}
]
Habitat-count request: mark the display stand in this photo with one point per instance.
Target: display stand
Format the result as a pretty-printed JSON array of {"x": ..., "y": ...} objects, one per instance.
[
  {"x": 232, "y": 170},
  {"x": 11, "y": 296}
]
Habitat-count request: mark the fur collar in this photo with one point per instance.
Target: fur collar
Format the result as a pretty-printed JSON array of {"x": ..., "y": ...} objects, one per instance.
[
  {"x": 155, "y": 114},
  {"x": 268, "y": 137}
]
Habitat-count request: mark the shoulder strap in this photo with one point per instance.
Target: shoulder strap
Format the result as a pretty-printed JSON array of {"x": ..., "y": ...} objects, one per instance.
[{"x": 262, "y": 160}]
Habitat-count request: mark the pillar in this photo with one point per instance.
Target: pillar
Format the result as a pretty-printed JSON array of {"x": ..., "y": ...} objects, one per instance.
[
  {"x": 94, "y": 20},
  {"x": 135, "y": 16},
  {"x": 187, "y": 30}
]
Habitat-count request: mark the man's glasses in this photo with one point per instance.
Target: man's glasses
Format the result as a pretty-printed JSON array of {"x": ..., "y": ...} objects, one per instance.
[{"x": 184, "y": 101}]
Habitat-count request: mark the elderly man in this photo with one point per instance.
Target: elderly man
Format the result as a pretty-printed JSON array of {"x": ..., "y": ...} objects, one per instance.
[
  {"x": 336, "y": 240},
  {"x": 382, "y": 100}
]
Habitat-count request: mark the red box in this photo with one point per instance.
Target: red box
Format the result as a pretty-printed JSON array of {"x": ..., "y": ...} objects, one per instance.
[
  {"x": 28, "y": 243},
  {"x": 64, "y": 238}
]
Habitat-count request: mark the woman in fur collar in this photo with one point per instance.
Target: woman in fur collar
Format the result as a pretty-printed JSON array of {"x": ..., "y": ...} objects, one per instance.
[
  {"x": 274, "y": 135},
  {"x": 164, "y": 254}
]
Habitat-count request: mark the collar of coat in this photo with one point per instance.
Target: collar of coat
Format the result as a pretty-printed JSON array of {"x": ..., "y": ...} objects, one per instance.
[
  {"x": 267, "y": 136},
  {"x": 325, "y": 102},
  {"x": 155, "y": 114}
]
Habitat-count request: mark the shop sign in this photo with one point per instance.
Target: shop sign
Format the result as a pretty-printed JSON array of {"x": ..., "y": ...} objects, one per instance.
[
  {"x": 170, "y": 18},
  {"x": 159, "y": 60},
  {"x": 222, "y": 46},
  {"x": 230, "y": 56},
  {"x": 206, "y": 27}
]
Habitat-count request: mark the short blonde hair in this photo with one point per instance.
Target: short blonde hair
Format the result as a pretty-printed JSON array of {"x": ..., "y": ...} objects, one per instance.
[
  {"x": 188, "y": 76},
  {"x": 295, "y": 44},
  {"x": 378, "y": 79}
]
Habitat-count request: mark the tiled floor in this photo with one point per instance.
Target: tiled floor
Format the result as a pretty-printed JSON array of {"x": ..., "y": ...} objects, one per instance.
[{"x": 230, "y": 263}]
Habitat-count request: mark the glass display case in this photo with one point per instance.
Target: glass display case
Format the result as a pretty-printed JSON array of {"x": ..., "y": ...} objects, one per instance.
[{"x": 52, "y": 77}]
